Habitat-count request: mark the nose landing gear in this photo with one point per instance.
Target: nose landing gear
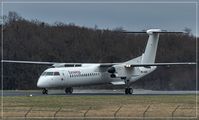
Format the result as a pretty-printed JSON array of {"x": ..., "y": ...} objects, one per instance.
[
  {"x": 45, "y": 91},
  {"x": 69, "y": 90}
]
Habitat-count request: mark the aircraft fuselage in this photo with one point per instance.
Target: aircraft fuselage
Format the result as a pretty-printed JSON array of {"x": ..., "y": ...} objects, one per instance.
[{"x": 85, "y": 75}]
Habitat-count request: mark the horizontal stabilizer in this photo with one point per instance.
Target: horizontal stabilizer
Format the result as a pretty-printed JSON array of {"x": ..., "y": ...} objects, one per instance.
[{"x": 151, "y": 31}]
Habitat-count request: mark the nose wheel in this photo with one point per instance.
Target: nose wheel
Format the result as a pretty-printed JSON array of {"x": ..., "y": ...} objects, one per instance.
[
  {"x": 69, "y": 90},
  {"x": 45, "y": 91},
  {"x": 128, "y": 91}
]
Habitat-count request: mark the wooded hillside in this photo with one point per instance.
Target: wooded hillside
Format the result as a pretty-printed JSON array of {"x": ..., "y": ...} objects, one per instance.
[{"x": 38, "y": 41}]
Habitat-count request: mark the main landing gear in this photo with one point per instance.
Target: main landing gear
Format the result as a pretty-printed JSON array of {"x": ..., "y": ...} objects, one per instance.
[
  {"x": 69, "y": 90},
  {"x": 45, "y": 91},
  {"x": 128, "y": 90}
]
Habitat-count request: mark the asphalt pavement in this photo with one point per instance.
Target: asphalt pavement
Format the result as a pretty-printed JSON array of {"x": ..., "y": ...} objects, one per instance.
[{"x": 92, "y": 92}]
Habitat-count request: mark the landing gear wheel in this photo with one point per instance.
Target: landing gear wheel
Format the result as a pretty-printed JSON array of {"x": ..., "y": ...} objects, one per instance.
[
  {"x": 69, "y": 90},
  {"x": 129, "y": 91},
  {"x": 126, "y": 90},
  {"x": 45, "y": 91}
]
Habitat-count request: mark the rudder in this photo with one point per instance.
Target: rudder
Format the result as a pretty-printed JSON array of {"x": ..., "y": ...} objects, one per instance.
[{"x": 151, "y": 47}]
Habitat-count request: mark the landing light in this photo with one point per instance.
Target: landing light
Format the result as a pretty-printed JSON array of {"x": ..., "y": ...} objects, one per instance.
[{"x": 128, "y": 66}]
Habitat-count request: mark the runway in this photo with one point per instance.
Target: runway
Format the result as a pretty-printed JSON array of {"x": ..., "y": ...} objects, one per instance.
[{"x": 79, "y": 92}]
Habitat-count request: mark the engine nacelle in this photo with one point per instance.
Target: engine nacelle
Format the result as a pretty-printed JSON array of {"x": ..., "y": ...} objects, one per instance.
[
  {"x": 113, "y": 75},
  {"x": 111, "y": 70},
  {"x": 118, "y": 71}
]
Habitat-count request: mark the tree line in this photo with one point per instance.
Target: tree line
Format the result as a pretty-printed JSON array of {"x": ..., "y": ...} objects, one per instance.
[{"x": 34, "y": 40}]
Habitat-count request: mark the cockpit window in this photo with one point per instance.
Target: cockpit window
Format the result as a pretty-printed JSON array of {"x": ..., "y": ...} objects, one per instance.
[
  {"x": 44, "y": 73},
  {"x": 49, "y": 73},
  {"x": 56, "y": 73}
]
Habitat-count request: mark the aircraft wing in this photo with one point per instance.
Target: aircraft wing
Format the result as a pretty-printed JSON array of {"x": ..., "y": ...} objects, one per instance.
[
  {"x": 146, "y": 64},
  {"x": 28, "y": 62},
  {"x": 57, "y": 64},
  {"x": 158, "y": 64},
  {"x": 108, "y": 64},
  {"x": 54, "y": 64}
]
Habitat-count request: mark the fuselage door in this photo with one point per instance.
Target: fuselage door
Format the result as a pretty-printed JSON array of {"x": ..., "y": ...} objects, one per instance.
[{"x": 62, "y": 76}]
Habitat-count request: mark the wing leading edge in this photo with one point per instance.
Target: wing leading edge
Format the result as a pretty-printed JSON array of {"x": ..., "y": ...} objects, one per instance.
[
  {"x": 158, "y": 64},
  {"x": 55, "y": 64},
  {"x": 28, "y": 62}
]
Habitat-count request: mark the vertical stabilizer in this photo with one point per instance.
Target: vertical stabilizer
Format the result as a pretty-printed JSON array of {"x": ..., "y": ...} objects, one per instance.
[{"x": 151, "y": 47}]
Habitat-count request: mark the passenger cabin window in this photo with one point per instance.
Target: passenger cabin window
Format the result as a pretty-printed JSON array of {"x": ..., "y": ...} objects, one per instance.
[{"x": 56, "y": 73}]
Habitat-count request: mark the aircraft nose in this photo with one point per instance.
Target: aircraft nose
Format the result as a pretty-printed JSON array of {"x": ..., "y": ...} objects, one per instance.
[{"x": 41, "y": 82}]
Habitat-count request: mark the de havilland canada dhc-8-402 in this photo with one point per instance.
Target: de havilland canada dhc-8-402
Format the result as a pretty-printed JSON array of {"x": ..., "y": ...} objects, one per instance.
[{"x": 69, "y": 75}]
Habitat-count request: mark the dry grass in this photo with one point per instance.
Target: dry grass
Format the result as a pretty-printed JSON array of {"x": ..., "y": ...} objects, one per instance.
[{"x": 101, "y": 106}]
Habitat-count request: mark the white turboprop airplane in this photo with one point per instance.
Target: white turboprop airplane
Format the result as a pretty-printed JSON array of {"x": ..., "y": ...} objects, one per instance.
[{"x": 68, "y": 75}]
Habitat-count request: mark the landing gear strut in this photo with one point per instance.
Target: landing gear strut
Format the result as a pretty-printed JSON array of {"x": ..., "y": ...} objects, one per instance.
[
  {"x": 44, "y": 91},
  {"x": 69, "y": 90},
  {"x": 129, "y": 90}
]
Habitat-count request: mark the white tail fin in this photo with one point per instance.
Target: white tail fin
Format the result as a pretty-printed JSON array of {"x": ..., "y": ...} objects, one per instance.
[
  {"x": 151, "y": 47},
  {"x": 150, "y": 51}
]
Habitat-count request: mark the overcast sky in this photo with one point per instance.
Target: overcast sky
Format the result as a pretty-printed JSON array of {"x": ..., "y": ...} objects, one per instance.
[{"x": 130, "y": 16}]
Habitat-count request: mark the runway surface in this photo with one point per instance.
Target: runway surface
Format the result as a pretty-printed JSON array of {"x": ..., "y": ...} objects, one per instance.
[{"x": 92, "y": 92}]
